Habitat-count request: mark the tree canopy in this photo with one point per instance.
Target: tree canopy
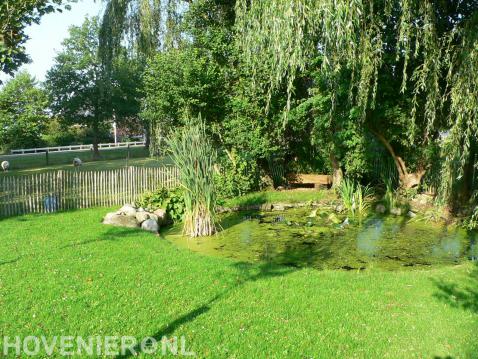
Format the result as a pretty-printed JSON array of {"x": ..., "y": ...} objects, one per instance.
[
  {"x": 23, "y": 115},
  {"x": 15, "y": 16}
]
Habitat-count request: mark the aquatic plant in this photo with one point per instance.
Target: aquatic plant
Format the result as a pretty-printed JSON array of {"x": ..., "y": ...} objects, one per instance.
[
  {"x": 194, "y": 155},
  {"x": 390, "y": 197},
  {"x": 355, "y": 197}
]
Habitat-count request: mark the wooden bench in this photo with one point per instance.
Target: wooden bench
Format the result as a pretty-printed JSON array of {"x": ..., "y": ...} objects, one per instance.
[{"x": 310, "y": 180}]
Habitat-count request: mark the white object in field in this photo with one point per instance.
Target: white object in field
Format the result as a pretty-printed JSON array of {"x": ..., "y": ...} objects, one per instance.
[
  {"x": 5, "y": 165},
  {"x": 77, "y": 162}
]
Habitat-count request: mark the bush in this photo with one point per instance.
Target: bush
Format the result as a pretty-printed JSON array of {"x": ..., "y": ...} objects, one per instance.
[
  {"x": 236, "y": 177},
  {"x": 172, "y": 201}
]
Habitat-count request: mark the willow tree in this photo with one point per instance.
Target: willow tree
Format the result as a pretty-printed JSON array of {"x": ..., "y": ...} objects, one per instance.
[{"x": 433, "y": 44}]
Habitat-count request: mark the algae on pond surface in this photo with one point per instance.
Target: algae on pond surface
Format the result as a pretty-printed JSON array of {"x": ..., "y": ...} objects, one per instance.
[{"x": 296, "y": 238}]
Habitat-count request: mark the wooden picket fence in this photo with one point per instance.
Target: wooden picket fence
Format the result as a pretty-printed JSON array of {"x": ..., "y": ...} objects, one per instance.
[{"x": 64, "y": 190}]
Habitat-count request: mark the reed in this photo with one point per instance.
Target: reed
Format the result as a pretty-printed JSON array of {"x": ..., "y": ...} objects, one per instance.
[
  {"x": 355, "y": 197},
  {"x": 195, "y": 156}
]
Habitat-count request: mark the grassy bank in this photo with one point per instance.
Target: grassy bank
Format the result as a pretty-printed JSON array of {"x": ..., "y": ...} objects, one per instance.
[{"x": 67, "y": 274}]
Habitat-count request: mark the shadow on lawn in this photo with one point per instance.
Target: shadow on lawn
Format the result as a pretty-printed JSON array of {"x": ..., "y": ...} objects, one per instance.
[
  {"x": 463, "y": 296},
  {"x": 111, "y": 234},
  {"x": 247, "y": 272},
  {"x": 10, "y": 261}
]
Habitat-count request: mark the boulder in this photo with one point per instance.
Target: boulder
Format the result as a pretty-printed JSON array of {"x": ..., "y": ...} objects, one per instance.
[
  {"x": 380, "y": 209},
  {"x": 120, "y": 220},
  {"x": 281, "y": 206},
  {"x": 153, "y": 216},
  {"x": 161, "y": 215},
  {"x": 396, "y": 211},
  {"x": 127, "y": 210},
  {"x": 150, "y": 225},
  {"x": 421, "y": 202},
  {"x": 142, "y": 216},
  {"x": 411, "y": 214}
]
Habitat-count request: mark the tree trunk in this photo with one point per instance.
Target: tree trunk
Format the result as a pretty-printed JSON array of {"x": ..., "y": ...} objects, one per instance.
[
  {"x": 96, "y": 151},
  {"x": 337, "y": 175},
  {"x": 147, "y": 136},
  {"x": 407, "y": 180}
]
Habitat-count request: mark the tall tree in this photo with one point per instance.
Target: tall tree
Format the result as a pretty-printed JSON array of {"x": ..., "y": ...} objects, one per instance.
[
  {"x": 76, "y": 81},
  {"x": 23, "y": 113}
]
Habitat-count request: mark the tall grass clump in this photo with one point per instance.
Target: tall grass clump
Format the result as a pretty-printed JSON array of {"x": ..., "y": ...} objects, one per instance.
[
  {"x": 390, "y": 197},
  {"x": 194, "y": 155},
  {"x": 355, "y": 197}
]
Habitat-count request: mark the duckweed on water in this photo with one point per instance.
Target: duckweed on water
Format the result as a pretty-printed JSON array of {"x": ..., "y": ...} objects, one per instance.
[{"x": 295, "y": 238}]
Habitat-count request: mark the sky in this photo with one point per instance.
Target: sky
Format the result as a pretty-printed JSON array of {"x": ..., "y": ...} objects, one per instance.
[{"x": 46, "y": 37}]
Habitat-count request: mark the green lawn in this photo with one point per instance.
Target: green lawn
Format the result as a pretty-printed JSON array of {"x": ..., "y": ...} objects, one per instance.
[
  {"x": 60, "y": 160},
  {"x": 67, "y": 274}
]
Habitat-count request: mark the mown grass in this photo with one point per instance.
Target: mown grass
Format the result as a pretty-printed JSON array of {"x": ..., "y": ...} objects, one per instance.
[
  {"x": 286, "y": 196},
  {"x": 67, "y": 274}
]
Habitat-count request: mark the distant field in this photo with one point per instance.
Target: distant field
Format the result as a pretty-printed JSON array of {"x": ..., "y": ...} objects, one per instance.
[
  {"x": 110, "y": 159},
  {"x": 58, "y": 159}
]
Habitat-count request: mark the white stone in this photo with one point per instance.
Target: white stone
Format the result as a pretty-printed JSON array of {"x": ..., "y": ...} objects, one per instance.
[
  {"x": 142, "y": 216},
  {"x": 161, "y": 215},
  {"x": 150, "y": 225},
  {"x": 127, "y": 210},
  {"x": 120, "y": 220}
]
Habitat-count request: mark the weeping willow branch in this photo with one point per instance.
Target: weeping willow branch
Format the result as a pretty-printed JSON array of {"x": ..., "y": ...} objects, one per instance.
[{"x": 439, "y": 65}]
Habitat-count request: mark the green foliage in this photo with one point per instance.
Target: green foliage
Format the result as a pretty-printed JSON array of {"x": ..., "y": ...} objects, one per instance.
[
  {"x": 237, "y": 176},
  {"x": 82, "y": 91},
  {"x": 15, "y": 16},
  {"x": 426, "y": 48},
  {"x": 23, "y": 113},
  {"x": 75, "y": 82},
  {"x": 194, "y": 155},
  {"x": 171, "y": 200},
  {"x": 178, "y": 84},
  {"x": 355, "y": 197}
]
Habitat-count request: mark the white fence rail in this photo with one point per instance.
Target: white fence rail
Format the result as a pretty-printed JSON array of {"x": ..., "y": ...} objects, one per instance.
[
  {"x": 63, "y": 190},
  {"x": 77, "y": 147}
]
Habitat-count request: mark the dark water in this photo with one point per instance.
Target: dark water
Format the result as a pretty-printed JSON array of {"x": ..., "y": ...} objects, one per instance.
[{"x": 295, "y": 238}]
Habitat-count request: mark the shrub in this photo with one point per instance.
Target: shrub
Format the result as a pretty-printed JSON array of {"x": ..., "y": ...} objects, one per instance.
[
  {"x": 237, "y": 176},
  {"x": 172, "y": 201}
]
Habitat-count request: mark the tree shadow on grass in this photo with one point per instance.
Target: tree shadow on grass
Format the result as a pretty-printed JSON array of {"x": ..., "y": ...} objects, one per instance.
[
  {"x": 10, "y": 261},
  {"x": 112, "y": 234},
  {"x": 460, "y": 296},
  {"x": 246, "y": 272}
]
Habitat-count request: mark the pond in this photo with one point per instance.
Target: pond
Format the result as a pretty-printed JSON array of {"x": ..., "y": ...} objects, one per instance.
[{"x": 305, "y": 238}]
